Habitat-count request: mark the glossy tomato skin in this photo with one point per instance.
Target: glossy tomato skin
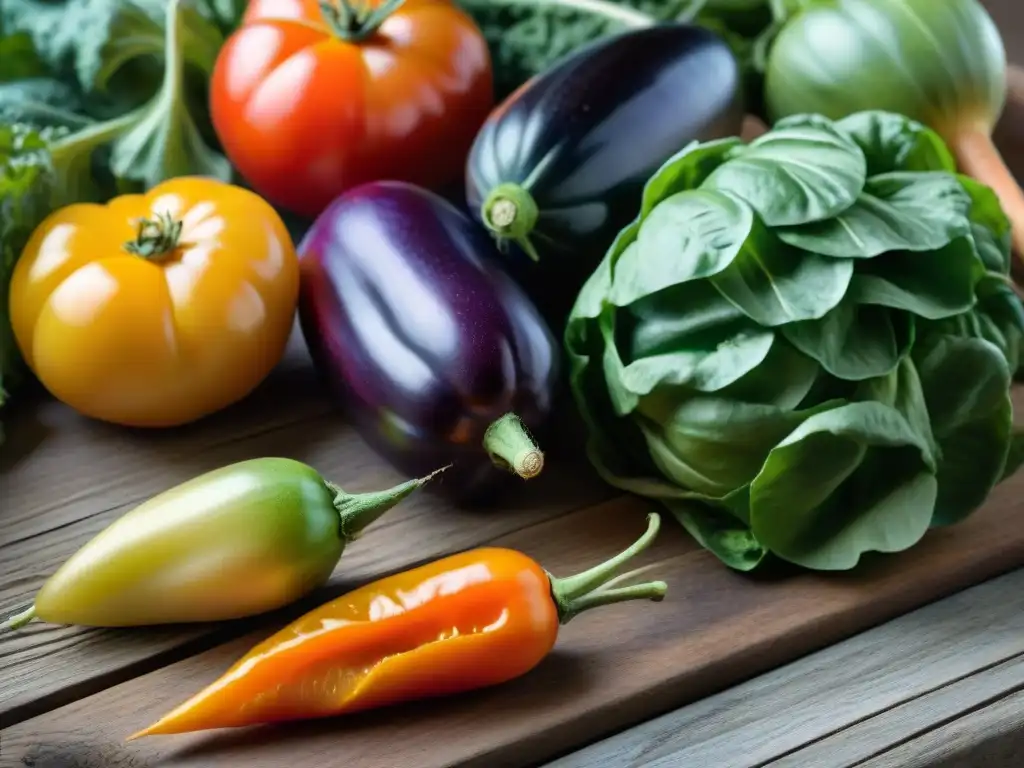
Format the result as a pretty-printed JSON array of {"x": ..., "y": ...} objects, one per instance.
[
  {"x": 164, "y": 341},
  {"x": 421, "y": 335},
  {"x": 305, "y": 115},
  {"x": 585, "y": 136}
]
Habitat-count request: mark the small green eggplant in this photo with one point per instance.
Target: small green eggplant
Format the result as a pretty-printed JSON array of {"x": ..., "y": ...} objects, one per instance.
[{"x": 241, "y": 540}]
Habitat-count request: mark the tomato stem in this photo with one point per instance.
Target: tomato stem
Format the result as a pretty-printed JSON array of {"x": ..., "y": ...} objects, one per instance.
[
  {"x": 356, "y": 511},
  {"x": 594, "y": 587},
  {"x": 351, "y": 22},
  {"x": 511, "y": 213},
  {"x": 19, "y": 620},
  {"x": 156, "y": 237},
  {"x": 510, "y": 447}
]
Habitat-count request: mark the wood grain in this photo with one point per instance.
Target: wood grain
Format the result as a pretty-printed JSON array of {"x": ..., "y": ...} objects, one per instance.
[
  {"x": 63, "y": 478},
  {"x": 848, "y": 703},
  {"x": 73, "y": 477},
  {"x": 910, "y": 733},
  {"x": 632, "y": 662},
  {"x": 991, "y": 737}
]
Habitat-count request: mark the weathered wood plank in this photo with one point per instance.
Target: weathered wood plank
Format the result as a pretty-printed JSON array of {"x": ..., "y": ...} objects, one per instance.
[
  {"x": 611, "y": 671},
  {"x": 56, "y": 495},
  {"x": 59, "y": 467},
  {"x": 84, "y": 475},
  {"x": 889, "y": 731},
  {"x": 992, "y": 737},
  {"x": 841, "y": 695}
]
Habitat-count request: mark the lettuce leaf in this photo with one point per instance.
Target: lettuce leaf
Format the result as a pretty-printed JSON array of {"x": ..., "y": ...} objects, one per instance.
[{"x": 26, "y": 182}]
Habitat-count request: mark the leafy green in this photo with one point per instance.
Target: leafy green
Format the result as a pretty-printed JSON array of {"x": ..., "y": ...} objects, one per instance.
[
  {"x": 990, "y": 228},
  {"x": 19, "y": 59},
  {"x": 775, "y": 283},
  {"x": 894, "y": 211},
  {"x": 929, "y": 284},
  {"x": 26, "y": 179},
  {"x": 802, "y": 346},
  {"x": 803, "y": 171},
  {"x": 528, "y": 36},
  {"x": 891, "y": 142},
  {"x": 687, "y": 169},
  {"x": 872, "y": 488},
  {"x": 854, "y": 341},
  {"x": 704, "y": 228},
  {"x": 966, "y": 385},
  {"x": 120, "y": 78}
]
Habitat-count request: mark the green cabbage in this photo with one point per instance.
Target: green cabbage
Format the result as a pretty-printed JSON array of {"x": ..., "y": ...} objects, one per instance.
[{"x": 803, "y": 346}]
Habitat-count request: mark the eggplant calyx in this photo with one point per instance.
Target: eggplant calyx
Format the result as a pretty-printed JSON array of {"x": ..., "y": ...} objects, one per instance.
[
  {"x": 19, "y": 620},
  {"x": 356, "y": 511},
  {"x": 156, "y": 238},
  {"x": 511, "y": 213},
  {"x": 510, "y": 447},
  {"x": 355, "y": 21},
  {"x": 599, "y": 586}
]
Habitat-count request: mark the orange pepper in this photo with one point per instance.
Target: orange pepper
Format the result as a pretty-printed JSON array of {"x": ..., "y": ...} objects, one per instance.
[{"x": 472, "y": 620}]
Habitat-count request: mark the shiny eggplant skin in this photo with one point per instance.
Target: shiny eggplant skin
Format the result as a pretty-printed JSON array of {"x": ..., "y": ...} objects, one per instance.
[
  {"x": 583, "y": 138},
  {"x": 423, "y": 338}
]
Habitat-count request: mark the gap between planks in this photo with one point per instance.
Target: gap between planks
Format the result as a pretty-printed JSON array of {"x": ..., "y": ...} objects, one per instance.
[
  {"x": 991, "y": 737},
  {"x": 913, "y": 726},
  {"x": 848, "y": 704}
]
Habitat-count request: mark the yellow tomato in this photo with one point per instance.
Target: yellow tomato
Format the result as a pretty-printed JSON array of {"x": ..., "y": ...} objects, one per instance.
[{"x": 156, "y": 309}]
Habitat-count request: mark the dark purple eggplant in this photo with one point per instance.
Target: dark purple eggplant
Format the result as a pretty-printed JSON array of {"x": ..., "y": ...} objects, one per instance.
[
  {"x": 559, "y": 167},
  {"x": 437, "y": 356}
]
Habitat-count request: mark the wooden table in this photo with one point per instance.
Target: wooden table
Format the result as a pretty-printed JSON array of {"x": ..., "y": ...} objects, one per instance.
[
  {"x": 941, "y": 687},
  {"x": 69, "y": 696}
]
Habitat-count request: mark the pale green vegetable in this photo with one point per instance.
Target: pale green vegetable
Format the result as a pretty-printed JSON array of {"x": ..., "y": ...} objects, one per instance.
[
  {"x": 940, "y": 62},
  {"x": 803, "y": 345}
]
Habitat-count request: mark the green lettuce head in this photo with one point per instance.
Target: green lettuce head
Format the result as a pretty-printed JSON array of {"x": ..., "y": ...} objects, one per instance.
[{"x": 804, "y": 345}]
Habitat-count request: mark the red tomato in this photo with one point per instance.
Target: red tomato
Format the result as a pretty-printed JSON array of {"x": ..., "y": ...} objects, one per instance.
[{"x": 308, "y": 105}]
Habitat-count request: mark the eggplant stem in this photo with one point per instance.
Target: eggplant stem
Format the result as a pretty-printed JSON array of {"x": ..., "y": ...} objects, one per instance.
[
  {"x": 19, "y": 620},
  {"x": 979, "y": 158},
  {"x": 511, "y": 213},
  {"x": 356, "y": 511},
  {"x": 594, "y": 587},
  {"x": 510, "y": 446}
]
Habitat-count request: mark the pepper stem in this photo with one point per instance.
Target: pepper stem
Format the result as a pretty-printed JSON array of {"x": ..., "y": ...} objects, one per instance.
[
  {"x": 19, "y": 620},
  {"x": 510, "y": 447},
  {"x": 593, "y": 588},
  {"x": 357, "y": 511},
  {"x": 156, "y": 237},
  {"x": 511, "y": 213},
  {"x": 353, "y": 22}
]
